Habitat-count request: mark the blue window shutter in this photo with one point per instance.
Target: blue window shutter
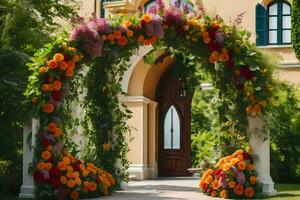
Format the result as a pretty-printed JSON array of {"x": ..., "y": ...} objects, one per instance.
[
  {"x": 261, "y": 25},
  {"x": 102, "y": 10}
]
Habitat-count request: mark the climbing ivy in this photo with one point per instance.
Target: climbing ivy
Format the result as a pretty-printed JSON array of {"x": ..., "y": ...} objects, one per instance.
[{"x": 296, "y": 27}]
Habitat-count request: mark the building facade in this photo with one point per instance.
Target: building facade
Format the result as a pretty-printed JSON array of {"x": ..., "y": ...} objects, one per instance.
[{"x": 154, "y": 111}]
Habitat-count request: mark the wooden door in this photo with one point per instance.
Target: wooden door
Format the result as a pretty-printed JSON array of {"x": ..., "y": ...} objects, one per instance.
[{"x": 174, "y": 128}]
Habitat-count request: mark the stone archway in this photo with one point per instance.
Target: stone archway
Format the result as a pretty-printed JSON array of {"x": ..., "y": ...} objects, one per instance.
[{"x": 140, "y": 82}]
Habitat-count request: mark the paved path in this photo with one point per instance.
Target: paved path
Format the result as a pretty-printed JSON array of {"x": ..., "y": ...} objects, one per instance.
[{"x": 163, "y": 188}]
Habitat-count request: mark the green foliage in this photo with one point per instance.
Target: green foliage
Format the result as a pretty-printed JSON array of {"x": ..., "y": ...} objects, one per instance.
[
  {"x": 24, "y": 27},
  {"x": 285, "y": 136},
  {"x": 296, "y": 27}
]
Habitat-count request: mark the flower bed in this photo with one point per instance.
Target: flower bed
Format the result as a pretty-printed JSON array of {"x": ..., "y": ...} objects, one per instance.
[{"x": 233, "y": 176}]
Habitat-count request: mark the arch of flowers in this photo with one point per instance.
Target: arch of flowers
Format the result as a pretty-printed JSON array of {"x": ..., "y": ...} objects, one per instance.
[{"x": 96, "y": 56}]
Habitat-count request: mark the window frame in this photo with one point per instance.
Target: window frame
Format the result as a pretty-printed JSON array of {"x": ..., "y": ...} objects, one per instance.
[{"x": 280, "y": 29}]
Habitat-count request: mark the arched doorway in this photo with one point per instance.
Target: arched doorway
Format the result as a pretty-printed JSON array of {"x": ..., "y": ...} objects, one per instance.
[{"x": 174, "y": 124}]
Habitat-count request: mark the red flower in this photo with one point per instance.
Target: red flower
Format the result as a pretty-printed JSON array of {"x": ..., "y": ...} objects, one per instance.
[
  {"x": 67, "y": 57},
  {"x": 54, "y": 172},
  {"x": 48, "y": 79},
  {"x": 180, "y": 29},
  {"x": 247, "y": 156},
  {"x": 246, "y": 73},
  {"x": 46, "y": 143},
  {"x": 38, "y": 177},
  {"x": 230, "y": 64},
  {"x": 214, "y": 46},
  {"x": 62, "y": 77},
  {"x": 55, "y": 182},
  {"x": 56, "y": 95},
  {"x": 143, "y": 22},
  {"x": 75, "y": 167}
]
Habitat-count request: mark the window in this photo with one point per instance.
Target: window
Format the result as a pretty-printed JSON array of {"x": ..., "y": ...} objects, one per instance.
[
  {"x": 273, "y": 25},
  {"x": 151, "y": 5},
  {"x": 172, "y": 129},
  {"x": 182, "y": 3},
  {"x": 102, "y": 10}
]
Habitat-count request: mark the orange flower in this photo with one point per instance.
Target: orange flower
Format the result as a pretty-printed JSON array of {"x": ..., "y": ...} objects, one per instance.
[
  {"x": 249, "y": 110},
  {"x": 233, "y": 161},
  {"x": 52, "y": 64},
  {"x": 57, "y": 85},
  {"x": 211, "y": 60},
  {"x": 69, "y": 168},
  {"x": 103, "y": 37},
  {"x": 63, "y": 65},
  {"x": 224, "y": 194},
  {"x": 43, "y": 70},
  {"x": 127, "y": 24},
  {"x": 147, "y": 18},
  {"x": 215, "y": 184},
  {"x": 111, "y": 179},
  {"x": 224, "y": 57},
  {"x": 117, "y": 35},
  {"x": 48, "y": 165},
  {"x": 76, "y": 174},
  {"x": 251, "y": 97},
  {"x": 50, "y": 87},
  {"x": 110, "y": 37},
  {"x": 226, "y": 167},
  {"x": 62, "y": 166},
  {"x": 85, "y": 173},
  {"x": 207, "y": 40},
  {"x": 92, "y": 186},
  {"x": 63, "y": 180},
  {"x": 45, "y": 87},
  {"x": 72, "y": 49},
  {"x": 46, "y": 155},
  {"x": 58, "y": 132},
  {"x": 252, "y": 180},
  {"x": 251, "y": 167},
  {"x": 141, "y": 38},
  {"x": 249, "y": 192},
  {"x": 238, "y": 190},
  {"x": 242, "y": 165},
  {"x": 74, "y": 195},
  {"x": 52, "y": 126},
  {"x": 71, "y": 183},
  {"x": 209, "y": 179},
  {"x": 153, "y": 40},
  {"x": 69, "y": 175},
  {"x": 214, "y": 193},
  {"x": 48, "y": 108},
  {"x": 256, "y": 108},
  {"x": 215, "y": 55},
  {"x": 75, "y": 58},
  {"x": 146, "y": 42},
  {"x": 106, "y": 147},
  {"x": 66, "y": 160},
  {"x": 122, "y": 41},
  {"x": 58, "y": 57},
  {"x": 205, "y": 34},
  {"x": 129, "y": 33},
  {"x": 69, "y": 72},
  {"x": 40, "y": 165},
  {"x": 71, "y": 64},
  {"x": 78, "y": 181},
  {"x": 232, "y": 184}
]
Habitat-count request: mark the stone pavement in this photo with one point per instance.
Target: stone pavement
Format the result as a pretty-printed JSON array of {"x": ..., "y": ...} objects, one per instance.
[{"x": 162, "y": 188}]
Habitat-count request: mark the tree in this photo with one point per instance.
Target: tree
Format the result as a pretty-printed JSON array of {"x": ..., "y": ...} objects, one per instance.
[
  {"x": 25, "y": 25},
  {"x": 296, "y": 27}
]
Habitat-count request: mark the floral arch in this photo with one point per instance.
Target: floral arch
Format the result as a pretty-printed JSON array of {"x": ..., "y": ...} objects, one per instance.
[{"x": 96, "y": 57}]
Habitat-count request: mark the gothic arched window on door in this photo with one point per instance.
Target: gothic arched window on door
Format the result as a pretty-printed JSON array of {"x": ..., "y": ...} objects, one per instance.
[{"x": 172, "y": 130}]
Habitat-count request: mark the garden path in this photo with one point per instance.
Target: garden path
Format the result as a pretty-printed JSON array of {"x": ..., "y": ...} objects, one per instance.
[{"x": 185, "y": 188}]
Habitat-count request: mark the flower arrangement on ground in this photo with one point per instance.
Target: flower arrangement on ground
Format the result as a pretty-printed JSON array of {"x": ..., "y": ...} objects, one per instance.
[{"x": 233, "y": 176}]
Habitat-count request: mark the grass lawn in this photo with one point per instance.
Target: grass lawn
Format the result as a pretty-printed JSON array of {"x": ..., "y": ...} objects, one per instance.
[{"x": 286, "y": 192}]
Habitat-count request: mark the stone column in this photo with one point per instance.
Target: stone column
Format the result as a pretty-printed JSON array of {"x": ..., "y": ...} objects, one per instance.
[
  {"x": 27, "y": 188},
  {"x": 138, "y": 146},
  {"x": 261, "y": 149},
  {"x": 152, "y": 139}
]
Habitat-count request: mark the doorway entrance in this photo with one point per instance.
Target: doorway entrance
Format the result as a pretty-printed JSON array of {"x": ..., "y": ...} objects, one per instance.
[{"x": 174, "y": 121}]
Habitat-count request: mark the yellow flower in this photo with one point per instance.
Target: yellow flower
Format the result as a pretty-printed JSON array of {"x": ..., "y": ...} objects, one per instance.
[
  {"x": 106, "y": 147},
  {"x": 147, "y": 18}
]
